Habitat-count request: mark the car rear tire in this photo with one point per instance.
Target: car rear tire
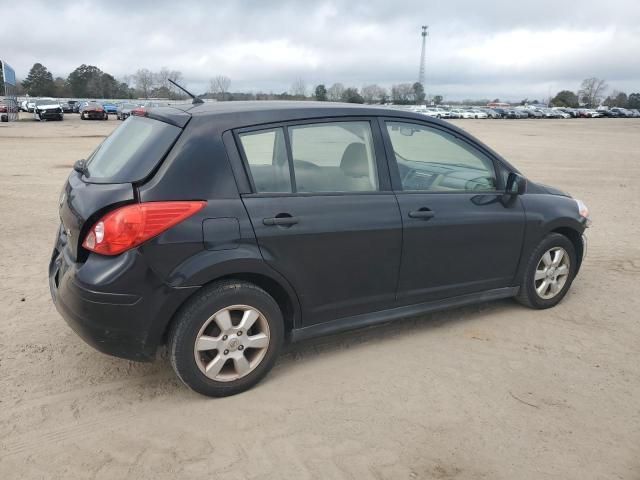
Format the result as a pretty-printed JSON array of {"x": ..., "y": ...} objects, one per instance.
[
  {"x": 549, "y": 272},
  {"x": 226, "y": 338}
]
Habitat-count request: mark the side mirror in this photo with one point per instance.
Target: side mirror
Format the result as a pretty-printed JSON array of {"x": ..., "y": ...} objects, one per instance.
[{"x": 516, "y": 184}]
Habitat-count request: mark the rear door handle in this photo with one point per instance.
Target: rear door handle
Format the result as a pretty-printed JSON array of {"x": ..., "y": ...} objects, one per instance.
[
  {"x": 423, "y": 213},
  {"x": 282, "y": 221}
]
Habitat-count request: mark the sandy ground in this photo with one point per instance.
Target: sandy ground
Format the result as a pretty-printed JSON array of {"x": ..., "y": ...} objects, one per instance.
[{"x": 494, "y": 391}]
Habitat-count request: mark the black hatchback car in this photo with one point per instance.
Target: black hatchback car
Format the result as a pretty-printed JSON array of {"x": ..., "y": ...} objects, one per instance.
[{"x": 223, "y": 230}]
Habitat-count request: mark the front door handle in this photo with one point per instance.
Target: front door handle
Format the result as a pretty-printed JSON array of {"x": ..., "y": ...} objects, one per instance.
[
  {"x": 423, "y": 213},
  {"x": 284, "y": 220}
]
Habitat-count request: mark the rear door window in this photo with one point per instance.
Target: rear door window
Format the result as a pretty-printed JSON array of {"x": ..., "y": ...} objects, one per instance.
[
  {"x": 266, "y": 155},
  {"x": 131, "y": 152},
  {"x": 334, "y": 157}
]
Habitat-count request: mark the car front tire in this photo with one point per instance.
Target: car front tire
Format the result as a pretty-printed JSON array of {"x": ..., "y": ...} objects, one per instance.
[
  {"x": 549, "y": 272},
  {"x": 226, "y": 338}
]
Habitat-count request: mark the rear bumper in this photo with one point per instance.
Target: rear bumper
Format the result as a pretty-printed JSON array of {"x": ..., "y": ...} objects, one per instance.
[{"x": 89, "y": 296}]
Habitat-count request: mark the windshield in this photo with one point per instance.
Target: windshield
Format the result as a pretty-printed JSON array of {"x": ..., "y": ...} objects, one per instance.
[
  {"x": 46, "y": 101},
  {"x": 128, "y": 105},
  {"x": 131, "y": 152}
]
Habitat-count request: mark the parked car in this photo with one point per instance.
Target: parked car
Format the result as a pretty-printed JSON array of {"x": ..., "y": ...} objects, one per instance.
[
  {"x": 533, "y": 113},
  {"x": 47, "y": 109},
  {"x": 31, "y": 105},
  {"x": 501, "y": 111},
  {"x": 511, "y": 113},
  {"x": 110, "y": 107},
  {"x": 460, "y": 113},
  {"x": 491, "y": 113},
  {"x": 609, "y": 113},
  {"x": 124, "y": 110},
  {"x": 4, "y": 113},
  {"x": 93, "y": 111},
  {"x": 78, "y": 105},
  {"x": 224, "y": 229},
  {"x": 477, "y": 113},
  {"x": 67, "y": 107},
  {"x": 622, "y": 112}
]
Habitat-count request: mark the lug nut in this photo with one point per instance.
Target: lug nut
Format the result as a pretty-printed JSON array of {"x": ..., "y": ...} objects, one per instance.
[
  {"x": 241, "y": 347},
  {"x": 226, "y": 352},
  {"x": 224, "y": 337},
  {"x": 239, "y": 332}
]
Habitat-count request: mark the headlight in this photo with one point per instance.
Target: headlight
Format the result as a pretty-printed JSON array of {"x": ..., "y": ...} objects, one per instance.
[{"x": 583, "y": 210}]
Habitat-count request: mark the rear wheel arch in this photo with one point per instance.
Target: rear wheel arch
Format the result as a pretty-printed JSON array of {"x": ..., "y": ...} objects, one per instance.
[{"x": 284, "y": 296}]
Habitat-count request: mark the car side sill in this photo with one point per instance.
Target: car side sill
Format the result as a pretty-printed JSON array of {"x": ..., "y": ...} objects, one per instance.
[{"x": 383, "y": 316}]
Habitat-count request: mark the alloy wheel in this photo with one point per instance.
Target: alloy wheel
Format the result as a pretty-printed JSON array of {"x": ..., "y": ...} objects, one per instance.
[
  {"x": 552, "y": 273},
  {"x": 232, "y": 343}
]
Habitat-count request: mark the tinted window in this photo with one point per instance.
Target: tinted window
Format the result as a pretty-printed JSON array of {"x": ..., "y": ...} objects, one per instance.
[
  {"x": 266, "y": 156},
  {"x": 433, "y": 160},
  {"x": 132, "y": 151},
  {"x": 333, "y": 157}
]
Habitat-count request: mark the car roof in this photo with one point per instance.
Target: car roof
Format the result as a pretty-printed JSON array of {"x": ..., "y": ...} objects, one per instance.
[{"x": 237, "y": 114}]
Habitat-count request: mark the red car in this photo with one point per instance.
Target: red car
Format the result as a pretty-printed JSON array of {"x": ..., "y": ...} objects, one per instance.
[
  {"x": 93, "y": 111},
  {"x": 141, "y": 111}
]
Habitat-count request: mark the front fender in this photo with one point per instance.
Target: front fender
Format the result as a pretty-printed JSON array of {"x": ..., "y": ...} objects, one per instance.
[{"x": 545, "y": 213}]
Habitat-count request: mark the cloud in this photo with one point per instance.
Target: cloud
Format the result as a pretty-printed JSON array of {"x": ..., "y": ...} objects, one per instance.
[{"x": 475, "y": 49}]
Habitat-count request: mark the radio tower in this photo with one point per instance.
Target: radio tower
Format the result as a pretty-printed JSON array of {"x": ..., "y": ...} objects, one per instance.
[{"x": 425, "y": 33}]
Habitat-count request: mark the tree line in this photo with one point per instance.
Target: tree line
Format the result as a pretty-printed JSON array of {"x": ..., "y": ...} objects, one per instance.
[
  {"x": 89, "y": 81},
  {"x": 592, "y": 94}
]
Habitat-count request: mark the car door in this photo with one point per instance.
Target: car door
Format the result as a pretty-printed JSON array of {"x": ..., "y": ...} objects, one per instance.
[
  {"x": 459, "y": 236},
  {"x": 324, "y": 214}
]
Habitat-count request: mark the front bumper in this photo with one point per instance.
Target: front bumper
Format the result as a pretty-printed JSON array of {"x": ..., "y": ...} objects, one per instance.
[
  {"x": 46, "y": 114},
  {"x": 116, "y": 304}
]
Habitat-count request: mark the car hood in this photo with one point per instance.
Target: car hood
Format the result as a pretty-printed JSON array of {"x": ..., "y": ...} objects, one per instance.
[
  {"x": 546, "y": 189},
  {"x": 47, "y": 106}
]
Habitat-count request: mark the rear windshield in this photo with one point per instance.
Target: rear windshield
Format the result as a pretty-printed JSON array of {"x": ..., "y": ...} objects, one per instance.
[{"x": 131, "y": 152}]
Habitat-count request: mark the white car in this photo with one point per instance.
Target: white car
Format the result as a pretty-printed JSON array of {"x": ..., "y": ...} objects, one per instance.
[
  {"x": 478, "y": 113},
  {"x": 462, "y": 113},
  {"x": 47, "y": 109}
]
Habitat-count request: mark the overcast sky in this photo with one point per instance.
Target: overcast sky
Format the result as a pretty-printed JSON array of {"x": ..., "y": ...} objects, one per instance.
[{"x": 476, "y": 49}]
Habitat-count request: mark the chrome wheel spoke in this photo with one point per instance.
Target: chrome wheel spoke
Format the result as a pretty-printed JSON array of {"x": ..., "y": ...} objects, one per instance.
[
  {"x": 260, "y": 340},
  {"x": 214, "y": 366},
  {"x": 554, "y": 287},
  {"x": 542, "y": 289},
  {"x": 206, "y": 342},
  {"x": 546, "y": 259},
  {"x": 223, "y": 320},
  {"x": 249, "y": 317},
  {"x": 559, "y": 255},
  {"x": 241, "y": 364},
  {"x": 540, "y": 274},
  {"x": 562, "y": 270}
]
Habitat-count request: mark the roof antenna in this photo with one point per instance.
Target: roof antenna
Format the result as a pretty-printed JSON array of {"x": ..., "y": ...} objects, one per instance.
[{"x": 196, "y": 100}]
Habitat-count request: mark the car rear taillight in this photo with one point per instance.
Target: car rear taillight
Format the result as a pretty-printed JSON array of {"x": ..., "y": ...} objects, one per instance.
[{"x": 131, "y": 225}]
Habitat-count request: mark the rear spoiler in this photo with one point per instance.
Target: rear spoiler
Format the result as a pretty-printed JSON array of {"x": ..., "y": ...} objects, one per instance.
[{"x": 171, "y": 115}]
